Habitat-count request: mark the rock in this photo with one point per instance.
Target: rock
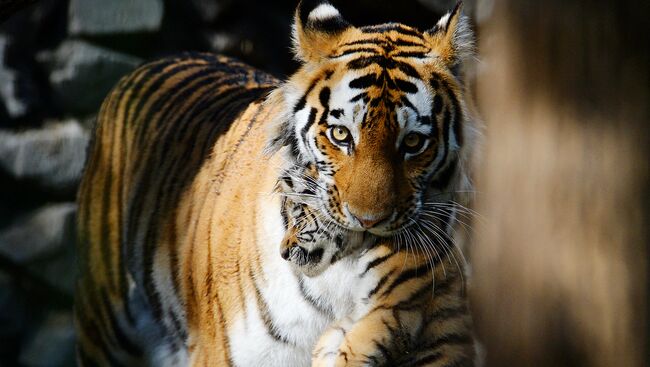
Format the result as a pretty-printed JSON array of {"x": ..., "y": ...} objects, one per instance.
[
  {"x": 51, "y": 157},
  {"x": 53, "y": 344},
  {"x": 101, "y": 17},
  {"x": 81, "y": 74},
  {"x": 209, "y": 10},
  {"x": 15, "y": 88},
  {"x": 41, "y": 234},
  {"x": 221, "y": 42},
  {"x": 88, "y": 122},
  {"x": 59, "y": 271}
]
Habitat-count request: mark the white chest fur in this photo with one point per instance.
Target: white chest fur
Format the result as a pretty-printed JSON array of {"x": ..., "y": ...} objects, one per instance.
[{"x": 298, "y": 309}]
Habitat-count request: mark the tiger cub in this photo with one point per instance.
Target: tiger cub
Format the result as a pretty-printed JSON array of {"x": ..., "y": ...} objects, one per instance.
[
  {"x": 230, "y": 219},
  {"x": 310, "y": 243}
]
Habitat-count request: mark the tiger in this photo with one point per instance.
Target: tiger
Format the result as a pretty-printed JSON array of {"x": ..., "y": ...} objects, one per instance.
[{"x": 227, "y": 218}]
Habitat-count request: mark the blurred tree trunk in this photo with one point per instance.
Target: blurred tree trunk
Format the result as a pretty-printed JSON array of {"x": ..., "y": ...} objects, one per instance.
[{"x": 560, "y": 266}]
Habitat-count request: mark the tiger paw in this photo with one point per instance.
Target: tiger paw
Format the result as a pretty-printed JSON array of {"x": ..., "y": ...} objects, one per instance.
[{"x": 332, "y": 349}]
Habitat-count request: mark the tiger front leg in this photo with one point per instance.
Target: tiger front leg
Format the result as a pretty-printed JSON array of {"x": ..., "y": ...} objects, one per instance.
[
  {"x": 371, "y": 341},
  {"x": 410, "y": 321}
]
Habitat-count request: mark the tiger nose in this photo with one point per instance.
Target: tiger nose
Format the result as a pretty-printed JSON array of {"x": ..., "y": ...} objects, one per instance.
[{"x": 369, "y": 221}]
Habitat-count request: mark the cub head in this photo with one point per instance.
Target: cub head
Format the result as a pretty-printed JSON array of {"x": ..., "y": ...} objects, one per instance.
[
  {"x": 374, "y": 123},
  {"x": 308, "y": 245}
]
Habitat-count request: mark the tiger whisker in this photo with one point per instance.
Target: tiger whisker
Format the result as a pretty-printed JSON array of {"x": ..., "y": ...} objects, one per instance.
[
  {"x": 443, "y": 216},
  {"x": 438, "y": 231},
  {"x": 430, "y": 259},
  {"x": 433, "y": 247},
  {"x": 465, "y": 212}
]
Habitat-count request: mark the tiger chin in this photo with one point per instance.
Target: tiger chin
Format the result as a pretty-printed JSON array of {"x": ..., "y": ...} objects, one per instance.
[{"x": 227, "y": 218}]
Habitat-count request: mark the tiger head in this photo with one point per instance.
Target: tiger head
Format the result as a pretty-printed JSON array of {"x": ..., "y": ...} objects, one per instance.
[{"x": 374, "y": 121}]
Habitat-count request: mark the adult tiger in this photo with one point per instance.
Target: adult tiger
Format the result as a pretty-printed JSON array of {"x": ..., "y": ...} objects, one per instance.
[{"x": 180, "y": 229}]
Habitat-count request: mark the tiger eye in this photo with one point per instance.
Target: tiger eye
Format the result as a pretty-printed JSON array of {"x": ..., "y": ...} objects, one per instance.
[
  {"x": 341, "y": 134},
  {"x": 413, "y": 143},
  {"x": 412, "y": 140}
]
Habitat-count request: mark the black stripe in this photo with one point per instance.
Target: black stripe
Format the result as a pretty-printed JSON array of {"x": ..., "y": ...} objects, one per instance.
[
  {"x": 447, "y": 313},
  {"x": 418, "y": 295},
  {"x": 407, "y": 69},
  {"x": 105, "y": 245},
  {"x": 337, "y": 113},
  {"x": 384, "y": 351},
  {"x": 312, "y": 301},
  {"x": 365, "y": 82},
  {"x": 222, "y": 324},
  {"x": 152, "y": 72},
  {"x": 406, "y": 43},
  {"x": 310, "y": 121},
  {"x": 125, "y": 156},
  {"x": 407, "y": 275},
  {"x": 265, "y": 314},
  {"x": 139, "y": 188},
  {"x": 143, "y": 123},
  {"x": 164, "y": 173},
  {"x": 324, "y": 97},
  {"x": 171, "y": 137},
  {"x": 354, "y": 51},
  {"x": 415, "y": 54},
  {"x": 406, "y": 86},
  {"x": 431, "y": 358},
  {"x": 443, "y": 286},
  {"x": 368, "y": 41},
  {"x": 365, "y": 61},
  {"x": 380, "y": 283},
  {"x": 96, "y": 334},
  {"x": 377, "y": 262},
  {"x": 399, "y": 28},
  {"x": 447, "y": 339},
  {"x": 445, "y": 140},
  {"x": 121, "y": 338},
  {"x": 303, "y": 100},
  {"x": 436, "y": 105},
  {"x": 443, "y": 178},
  {"x": 362, "y": 95},
  {"x": 458, "y": 114},
  {"x": 174, "y": 97}
]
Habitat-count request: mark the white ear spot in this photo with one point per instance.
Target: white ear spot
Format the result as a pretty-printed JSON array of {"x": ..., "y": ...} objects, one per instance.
[
  {"x": 323, "y": 11},
  {"x": 442, "y": 23}
]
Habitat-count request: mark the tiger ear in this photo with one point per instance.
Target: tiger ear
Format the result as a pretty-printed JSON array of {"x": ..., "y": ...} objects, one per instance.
[
  {"x": 452, "y": 38},
  {"x": 317, "y": 28}
]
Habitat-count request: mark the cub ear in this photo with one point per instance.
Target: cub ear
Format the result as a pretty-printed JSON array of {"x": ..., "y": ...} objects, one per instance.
[
  {"x": 317, "y": 28},
  {"x": 452, "y": 37}
]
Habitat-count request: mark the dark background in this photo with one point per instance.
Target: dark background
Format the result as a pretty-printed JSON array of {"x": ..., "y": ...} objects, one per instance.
[{"x": 58, "y": 59}]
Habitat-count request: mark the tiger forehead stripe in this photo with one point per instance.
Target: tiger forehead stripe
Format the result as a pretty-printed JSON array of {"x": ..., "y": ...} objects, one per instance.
[
  {"x": 384, "y": 46},
  {"x": 398, "y": 28}
]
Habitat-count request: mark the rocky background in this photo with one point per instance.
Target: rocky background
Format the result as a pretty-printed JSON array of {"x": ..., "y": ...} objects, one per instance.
[{"x": 58, "y": 59}]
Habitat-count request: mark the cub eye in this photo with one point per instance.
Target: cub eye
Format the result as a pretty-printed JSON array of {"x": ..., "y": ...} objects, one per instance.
[
  {"x": 341, "y": 135},
  {"x": 413, "y": 143}
]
